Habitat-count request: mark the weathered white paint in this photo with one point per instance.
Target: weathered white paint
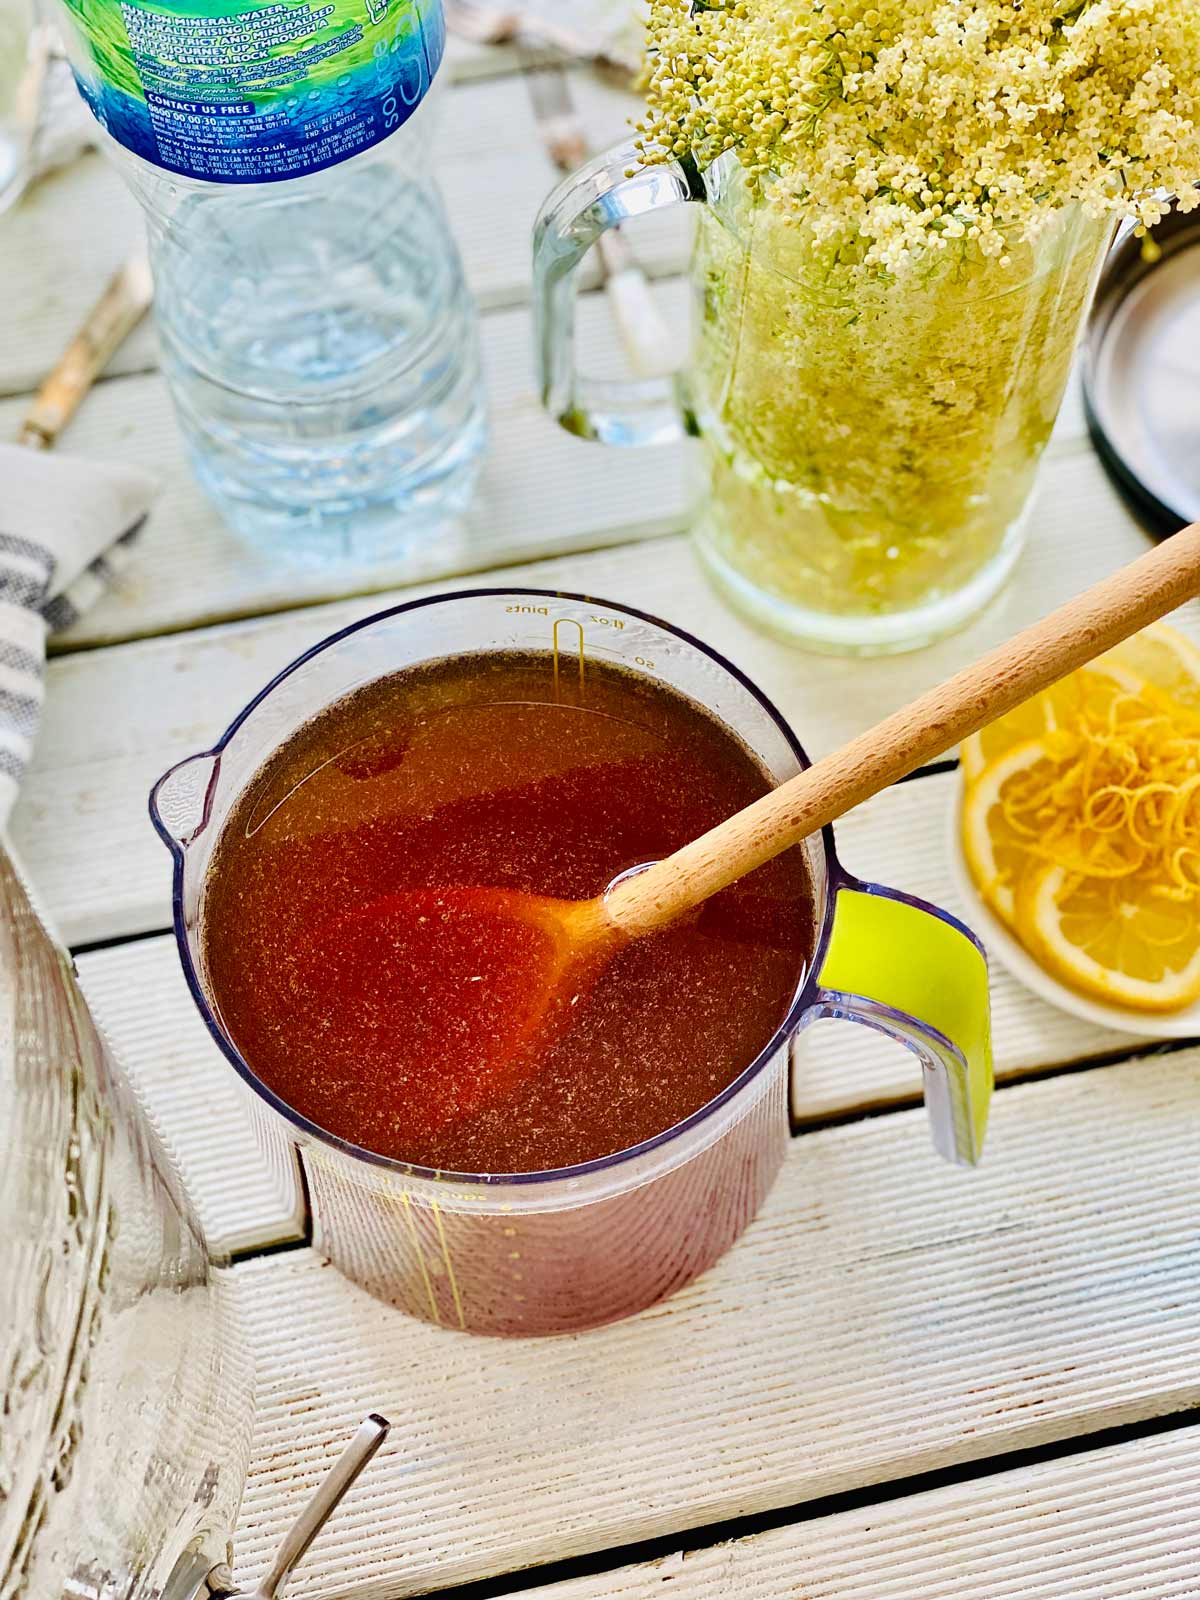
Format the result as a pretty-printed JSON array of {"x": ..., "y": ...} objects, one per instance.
[
  {"x": 193, "y": 1097},
  {"x": 61, "y": 244},
  {"x": 886, "y": 1315},
  {"x": 1121, "y": 1523},
  {"x": 541, "y": 492},
  {"x": 116, "y": 718}
]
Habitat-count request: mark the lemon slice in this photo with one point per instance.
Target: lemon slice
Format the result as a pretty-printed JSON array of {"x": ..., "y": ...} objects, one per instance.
[
  {"x": 1118, "y": 939},
  {"x": 1056, "y": 708},
  {"x": 1025, "y": 723},
  {"x": 1162, "y": 656},
  {"x": 996, "y": 853},
  {"x": 1094, "y": 687},
  {"x": 1159, "y": 655}
]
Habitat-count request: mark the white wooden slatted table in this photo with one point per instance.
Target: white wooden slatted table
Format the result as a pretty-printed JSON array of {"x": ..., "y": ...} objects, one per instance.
[{"x": 906, "y": 1380}]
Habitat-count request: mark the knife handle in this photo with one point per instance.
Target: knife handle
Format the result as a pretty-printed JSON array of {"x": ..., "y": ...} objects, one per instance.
[{"x": 120, "y": 308}]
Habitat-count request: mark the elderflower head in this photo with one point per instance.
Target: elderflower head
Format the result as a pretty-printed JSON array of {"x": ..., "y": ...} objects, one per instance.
[{"x": 909, "y": 122}]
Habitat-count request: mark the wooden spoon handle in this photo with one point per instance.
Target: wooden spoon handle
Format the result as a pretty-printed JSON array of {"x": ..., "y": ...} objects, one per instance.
[{"x": 1076, "y": 633}]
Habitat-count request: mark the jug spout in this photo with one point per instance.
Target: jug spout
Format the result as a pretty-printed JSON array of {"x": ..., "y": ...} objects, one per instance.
[{"x": 181, "y": 800}]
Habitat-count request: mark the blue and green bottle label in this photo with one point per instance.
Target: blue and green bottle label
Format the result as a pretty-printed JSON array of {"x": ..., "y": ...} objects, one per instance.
[{"x": 258, "y": 91}]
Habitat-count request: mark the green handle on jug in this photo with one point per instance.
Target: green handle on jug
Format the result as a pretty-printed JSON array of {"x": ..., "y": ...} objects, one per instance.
[{"x": 915, "y": 972}]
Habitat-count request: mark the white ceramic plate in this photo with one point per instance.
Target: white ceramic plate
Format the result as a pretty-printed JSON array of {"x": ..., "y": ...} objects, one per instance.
[{"x": 1004, "y": 948}]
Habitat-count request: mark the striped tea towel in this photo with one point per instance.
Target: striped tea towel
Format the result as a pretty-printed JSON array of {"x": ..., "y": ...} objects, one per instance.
[{"x": 65, "y": 530}]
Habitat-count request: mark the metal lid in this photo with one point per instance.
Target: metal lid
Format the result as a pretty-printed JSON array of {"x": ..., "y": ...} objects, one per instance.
[{"x": 1141, "y": 373}]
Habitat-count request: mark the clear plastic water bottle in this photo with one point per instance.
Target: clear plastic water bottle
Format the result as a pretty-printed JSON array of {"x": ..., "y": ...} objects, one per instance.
[{"x": 317, "y": 334}]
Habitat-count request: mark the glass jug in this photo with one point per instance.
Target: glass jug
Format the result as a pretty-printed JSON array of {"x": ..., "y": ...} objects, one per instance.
[
  {"x": 551, "y": 1251},
  {"x": 867, "y": 442},
  {"x": 127, "y": 1385}
]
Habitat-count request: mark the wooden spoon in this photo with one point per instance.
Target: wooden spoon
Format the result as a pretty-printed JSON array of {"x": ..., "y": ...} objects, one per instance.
[
  {"x": 1078, "y": 632},
  {"x": 569, "y": 942}
]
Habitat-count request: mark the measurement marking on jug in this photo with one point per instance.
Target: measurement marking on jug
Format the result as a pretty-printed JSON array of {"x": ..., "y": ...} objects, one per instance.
[
  {"x": 416, "y": 1239},
  {"x": 644, "y": 661},
  {"x": 527, "y": 611},
  {"x": 568, "y": 622},
  {"x": 608, "y": 622},
  {"x": 458, "y": 1305}
]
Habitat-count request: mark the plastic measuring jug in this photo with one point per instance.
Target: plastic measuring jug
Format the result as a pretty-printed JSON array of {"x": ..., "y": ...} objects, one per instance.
[{"x": 569, "y": 1248}]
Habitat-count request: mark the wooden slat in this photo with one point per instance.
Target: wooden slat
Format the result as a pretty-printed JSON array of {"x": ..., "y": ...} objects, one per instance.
[
  {"x": 193, "y": 1097},
  {"x": 1121, "y": 1523},
  {"x": 140, "y": 998},
  {"x": 541, "y": 492},
  {"x": 116, "y": 718},
  {"x": 468, "y": 61},
  {"x": 59, "y": 247},
  {"x": 495, "y": 174},
  {"x": 886, "y": 1315},
  {"x": 492, "y": 168},
  {"x": 71, "y": 231},
  {"x": 609, "y": 19}
]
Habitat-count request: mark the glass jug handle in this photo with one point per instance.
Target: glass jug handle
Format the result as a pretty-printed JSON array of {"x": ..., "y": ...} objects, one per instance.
[
  {"x": 913, "y": 971},
  {"x": 607, "y": 190}
]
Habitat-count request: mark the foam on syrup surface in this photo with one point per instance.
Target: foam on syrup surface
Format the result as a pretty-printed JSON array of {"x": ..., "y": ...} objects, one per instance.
[{"x": 395, "y": 1033}]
